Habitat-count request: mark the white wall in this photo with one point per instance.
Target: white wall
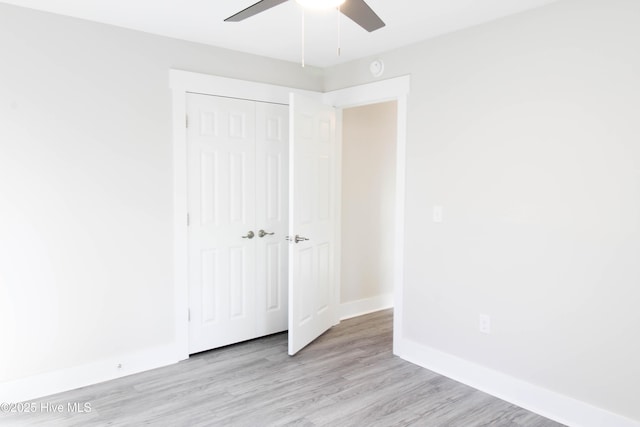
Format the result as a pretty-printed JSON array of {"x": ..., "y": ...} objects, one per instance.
[
  {"x": 368, "y": 201},
  {"x": 86, "y": 186},
  {"x": 526, "y": 130}
]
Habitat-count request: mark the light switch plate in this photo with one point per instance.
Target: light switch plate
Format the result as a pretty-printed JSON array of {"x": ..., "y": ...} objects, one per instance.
[{"x": 437, "y": 214}]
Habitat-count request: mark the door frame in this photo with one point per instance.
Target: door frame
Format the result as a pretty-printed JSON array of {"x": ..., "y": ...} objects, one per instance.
[
  {"x": 183, "y": 82},
  {"x": 393, "y": 89}
]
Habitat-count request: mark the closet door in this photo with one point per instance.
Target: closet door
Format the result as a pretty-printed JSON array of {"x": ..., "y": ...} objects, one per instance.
[
  {"x": 272, "y": 177},
  {"x": 313, "y": 226},
  {"x": 221, "y": 198}
]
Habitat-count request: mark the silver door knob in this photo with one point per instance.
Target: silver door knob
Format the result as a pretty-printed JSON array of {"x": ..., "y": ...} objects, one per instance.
[
  {"x": 249, "y": 235},
  {"x": 297, "y": 239},
  {"x": 263, "y": 233}
]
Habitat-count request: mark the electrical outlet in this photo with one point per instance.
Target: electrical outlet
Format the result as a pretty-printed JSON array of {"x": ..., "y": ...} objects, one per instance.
[{"x": 485, "y": 324}]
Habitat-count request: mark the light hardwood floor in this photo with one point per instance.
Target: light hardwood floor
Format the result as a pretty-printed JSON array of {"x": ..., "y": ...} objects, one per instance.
[{"x": 348, "y": 377}]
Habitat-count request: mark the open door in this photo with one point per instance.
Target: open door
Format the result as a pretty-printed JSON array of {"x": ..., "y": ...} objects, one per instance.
[{"x": 312, "y": 220}]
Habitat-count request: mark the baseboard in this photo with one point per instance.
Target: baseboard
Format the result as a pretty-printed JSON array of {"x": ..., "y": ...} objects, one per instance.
[
  {"x": 365, "y": 306},
  {"x": 49, "y": 383},
  {"x": 547, "y": 403}
]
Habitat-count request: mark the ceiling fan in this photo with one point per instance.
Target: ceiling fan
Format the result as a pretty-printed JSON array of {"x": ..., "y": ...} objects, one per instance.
[{"x": 357, "y": 10}]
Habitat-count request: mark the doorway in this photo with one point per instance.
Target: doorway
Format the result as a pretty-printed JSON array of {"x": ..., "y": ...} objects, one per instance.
[{"x": 369, "y": 134}]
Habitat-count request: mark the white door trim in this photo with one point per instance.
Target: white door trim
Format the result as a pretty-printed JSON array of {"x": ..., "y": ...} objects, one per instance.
[
  {"x": 386, "y": 90},
  {"x": 181, "y": 83}
]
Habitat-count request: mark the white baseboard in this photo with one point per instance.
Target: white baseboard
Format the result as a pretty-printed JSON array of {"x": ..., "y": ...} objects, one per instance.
[
  {"x": 547, "y": 403},
  {"x": 365, "y": 306},
  {"x": 49, "y": 383}
]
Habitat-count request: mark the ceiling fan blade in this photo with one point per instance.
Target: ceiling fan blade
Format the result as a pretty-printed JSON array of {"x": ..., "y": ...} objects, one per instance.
[
  {"x": 254, "y": 9},
  {"x": 362, "y": 14}
]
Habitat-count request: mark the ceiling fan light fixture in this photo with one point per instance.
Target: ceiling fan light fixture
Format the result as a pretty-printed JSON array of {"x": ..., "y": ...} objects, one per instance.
[{"x": 320, "y": 4}]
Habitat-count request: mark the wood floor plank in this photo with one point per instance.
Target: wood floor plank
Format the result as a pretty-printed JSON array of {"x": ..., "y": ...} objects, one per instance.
[{"x": 347, "y": 377}]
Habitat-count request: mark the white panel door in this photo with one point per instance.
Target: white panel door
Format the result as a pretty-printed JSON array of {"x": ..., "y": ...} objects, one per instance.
[
  {"x": 272, "y": 200},
  {"x": 221, "y": 199},
  {"x": 312, "y": 220}
]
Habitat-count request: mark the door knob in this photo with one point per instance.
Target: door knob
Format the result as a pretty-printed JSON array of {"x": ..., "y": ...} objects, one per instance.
[
  {"x": 263, "y": 233},
  {"x": 249, "y": 235},
  {"x": 297, "y": 239}
]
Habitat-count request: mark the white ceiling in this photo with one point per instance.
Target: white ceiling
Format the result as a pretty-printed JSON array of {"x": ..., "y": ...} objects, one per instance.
[{"x": 276, "y": 33}]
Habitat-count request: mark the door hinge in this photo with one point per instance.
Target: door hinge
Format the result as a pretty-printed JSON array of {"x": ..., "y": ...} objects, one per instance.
[
  {"x": 189, "y": 315},
  {"x": 186, "y": 121},
  {"x": 188, "y": 220}
]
